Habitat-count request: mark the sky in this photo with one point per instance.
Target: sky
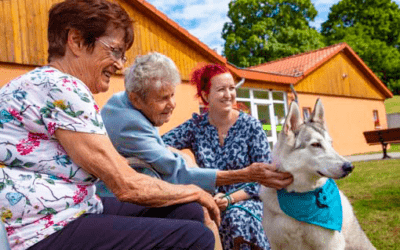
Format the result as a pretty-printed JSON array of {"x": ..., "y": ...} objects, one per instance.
[{"x": 205, "y": 19}]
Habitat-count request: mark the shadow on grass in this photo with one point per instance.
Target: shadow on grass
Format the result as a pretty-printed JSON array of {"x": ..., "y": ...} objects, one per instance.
[{"x": 383, "y": 200}]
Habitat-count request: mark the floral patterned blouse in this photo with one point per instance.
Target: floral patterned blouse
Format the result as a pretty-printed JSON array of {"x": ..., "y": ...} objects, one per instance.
[{"x": 41, "y": 188}]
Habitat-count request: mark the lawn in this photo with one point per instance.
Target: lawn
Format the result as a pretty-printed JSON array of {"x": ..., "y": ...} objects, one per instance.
[
  {"x": 374, "y": 191},
  {"x": 393, "y": 105}
]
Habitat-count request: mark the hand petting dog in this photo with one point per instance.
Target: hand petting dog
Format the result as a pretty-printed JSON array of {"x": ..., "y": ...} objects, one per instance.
[{"x": 267, "y": 175}]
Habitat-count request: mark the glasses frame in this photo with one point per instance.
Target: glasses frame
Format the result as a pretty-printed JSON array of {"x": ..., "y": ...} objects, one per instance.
[{"x": 116, "y": 53}]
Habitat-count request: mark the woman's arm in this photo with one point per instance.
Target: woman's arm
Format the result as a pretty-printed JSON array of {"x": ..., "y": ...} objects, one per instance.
[
  {"x": 224, "y": 200},
  {"x": 263, "y": 173},
  {"x": 96, "y": 155}
]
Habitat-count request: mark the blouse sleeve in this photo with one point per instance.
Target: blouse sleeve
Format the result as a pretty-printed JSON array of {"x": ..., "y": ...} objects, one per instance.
[
  {"x": 180, "y": 137},
  {"x": 259, "y": 152},
  {"x": 71, "y": 106}
]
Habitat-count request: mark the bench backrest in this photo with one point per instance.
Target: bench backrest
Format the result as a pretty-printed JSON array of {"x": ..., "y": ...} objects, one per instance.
[{"x": 391, "y": 135}]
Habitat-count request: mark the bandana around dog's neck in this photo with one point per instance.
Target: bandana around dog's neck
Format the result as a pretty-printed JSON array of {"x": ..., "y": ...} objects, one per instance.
[{"x": 321, "y": 206}]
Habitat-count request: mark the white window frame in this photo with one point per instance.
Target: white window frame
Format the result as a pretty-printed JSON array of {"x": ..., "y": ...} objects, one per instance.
[{"x": 270, "y": 102}]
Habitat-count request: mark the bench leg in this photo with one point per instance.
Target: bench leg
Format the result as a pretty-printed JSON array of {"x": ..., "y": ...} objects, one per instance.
[{"x": 384, "y": 147}]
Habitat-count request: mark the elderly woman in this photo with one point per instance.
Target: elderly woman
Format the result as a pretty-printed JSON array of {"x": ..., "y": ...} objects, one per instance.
[
  {"x": 54, "y": 148},
  {"x": 131, "y": 118},
  {"x": 226, "y": 139}
]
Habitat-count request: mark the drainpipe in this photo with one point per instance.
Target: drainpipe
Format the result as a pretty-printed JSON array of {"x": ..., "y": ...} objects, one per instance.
[
  {"x": 240, "y": 83},
  {"x": 295, "y": 94}
]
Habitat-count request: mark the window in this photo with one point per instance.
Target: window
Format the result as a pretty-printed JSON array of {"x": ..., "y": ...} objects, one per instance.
[
  {"x": 266, "y": 105},
  {"x": 377, "y": 124}
]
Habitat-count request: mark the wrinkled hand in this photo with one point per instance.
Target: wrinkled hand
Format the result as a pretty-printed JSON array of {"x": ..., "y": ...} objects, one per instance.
[
  {"x": 207, "y": 201},
  {"x": 222, "y": 202},
  {"x": 267, "y": 175}
]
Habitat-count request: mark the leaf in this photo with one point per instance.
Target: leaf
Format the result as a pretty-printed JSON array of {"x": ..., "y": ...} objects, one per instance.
[
  {"x": 50, "y": 181},
  {"x": 50, "y": 105},
  {"x": 8, "y": 156},
  {"x": 47, "y": 211},
  {"x": 18, "y": 220},
  {"x": 16, "y": 163},
  {"x": 56, "y": 90},
  {"x": 79, "y": 113},
  {"x": 85, "y": 99},
  {"x": 95, "y": 122},
  {"x": 29, "y": 164},
  {"x": 39, "y": 122},
  {"x": 2, "y": 186},
  {"x": 10, "y": 182}
]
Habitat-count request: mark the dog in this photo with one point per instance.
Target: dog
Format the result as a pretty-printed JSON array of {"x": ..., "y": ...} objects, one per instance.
[{"x": 325, "y": 218}]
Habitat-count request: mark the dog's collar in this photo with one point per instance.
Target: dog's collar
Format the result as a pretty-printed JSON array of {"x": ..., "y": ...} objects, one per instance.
[{"x": 321, "y": 206}]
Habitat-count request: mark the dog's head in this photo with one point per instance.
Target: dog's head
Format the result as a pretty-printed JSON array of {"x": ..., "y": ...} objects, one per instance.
[{"x": 305, "y": 148}]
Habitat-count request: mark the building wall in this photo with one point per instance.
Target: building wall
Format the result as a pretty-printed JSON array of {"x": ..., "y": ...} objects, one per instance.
[
  {"x": 23, "y": 35},
  {"x": 339, "y": 77},
  {"x": 347, "y": 119}
]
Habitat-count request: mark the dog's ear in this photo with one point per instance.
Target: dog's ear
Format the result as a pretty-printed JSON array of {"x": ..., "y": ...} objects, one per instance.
[
  {"x": 318, "y": 114},
  {"x": 293, "y": 119}
]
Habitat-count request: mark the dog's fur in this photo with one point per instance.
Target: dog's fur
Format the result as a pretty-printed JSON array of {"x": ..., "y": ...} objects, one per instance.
[{"x": 305, "y": 150}]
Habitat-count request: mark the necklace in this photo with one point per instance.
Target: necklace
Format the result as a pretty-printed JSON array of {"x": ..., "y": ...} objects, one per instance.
[{"x": 222, "y": 132}]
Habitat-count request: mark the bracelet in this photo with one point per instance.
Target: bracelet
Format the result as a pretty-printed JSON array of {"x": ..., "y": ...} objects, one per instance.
[{"x": 230, "y": 200}]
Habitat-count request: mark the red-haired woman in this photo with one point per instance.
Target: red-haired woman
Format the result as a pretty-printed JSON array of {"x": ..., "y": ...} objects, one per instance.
[{"x": 226, "y": 139}]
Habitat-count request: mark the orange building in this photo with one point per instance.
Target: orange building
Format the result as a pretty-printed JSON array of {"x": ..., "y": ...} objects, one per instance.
[{"x": 352, "y": 95}]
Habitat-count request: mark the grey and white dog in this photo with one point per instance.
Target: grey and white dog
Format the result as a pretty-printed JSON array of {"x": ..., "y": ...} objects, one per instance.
[{"x": 325, "y": 219}]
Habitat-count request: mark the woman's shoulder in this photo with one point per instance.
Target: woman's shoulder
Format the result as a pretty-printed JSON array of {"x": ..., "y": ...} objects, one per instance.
[
  {"x": 198, "y": 119},
  {"x": 248, "y": 119}
]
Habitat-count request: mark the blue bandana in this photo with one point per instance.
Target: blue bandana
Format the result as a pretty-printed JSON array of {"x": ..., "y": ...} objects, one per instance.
[{"x": 321, "y": 207}]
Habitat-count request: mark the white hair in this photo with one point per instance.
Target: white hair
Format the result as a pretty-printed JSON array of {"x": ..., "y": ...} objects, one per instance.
[{"x": 150, "y": 73}]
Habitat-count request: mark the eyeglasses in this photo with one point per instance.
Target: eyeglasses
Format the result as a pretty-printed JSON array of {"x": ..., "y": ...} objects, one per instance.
[{"x": 116, "y": 53}]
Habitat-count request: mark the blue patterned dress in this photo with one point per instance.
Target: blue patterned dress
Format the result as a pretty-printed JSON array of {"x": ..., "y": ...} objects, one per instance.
[{"x": 245, "y": 143}]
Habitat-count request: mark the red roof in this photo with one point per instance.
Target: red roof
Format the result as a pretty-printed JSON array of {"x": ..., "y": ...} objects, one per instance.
[{"x": 300, "y": 64}]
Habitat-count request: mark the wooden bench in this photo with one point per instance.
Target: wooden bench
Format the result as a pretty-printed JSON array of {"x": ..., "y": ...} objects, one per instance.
[{"x": 383, "y": 137}]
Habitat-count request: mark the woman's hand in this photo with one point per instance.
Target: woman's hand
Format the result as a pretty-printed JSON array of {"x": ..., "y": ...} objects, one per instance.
[
  {"x": 222, "y": 201},
  {"x": 267, "y": 175}
]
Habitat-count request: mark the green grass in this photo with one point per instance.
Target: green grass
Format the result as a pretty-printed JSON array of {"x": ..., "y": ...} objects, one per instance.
[
  {"x": 393, "y": 148},
  {"x": 393, "y": 105},
  {"x": 374, "y": 191}
]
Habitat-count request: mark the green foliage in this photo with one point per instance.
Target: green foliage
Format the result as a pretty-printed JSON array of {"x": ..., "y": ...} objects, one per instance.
[
  {"x": 371, "y": 28},
  {"x": 262, "y": 31},
  {"x": 374, "y": 191},
  {"x": 379, "y": 19}
]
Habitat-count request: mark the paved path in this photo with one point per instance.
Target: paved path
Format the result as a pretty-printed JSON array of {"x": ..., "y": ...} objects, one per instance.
[{"x": 370, "y": 157}]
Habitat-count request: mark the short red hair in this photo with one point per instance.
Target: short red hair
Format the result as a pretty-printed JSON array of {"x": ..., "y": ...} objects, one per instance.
[{"x": 201, "y": 77}]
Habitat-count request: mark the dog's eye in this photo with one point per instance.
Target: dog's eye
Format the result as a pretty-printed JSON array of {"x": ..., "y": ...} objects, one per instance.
[{"x": 316, "y": 145}]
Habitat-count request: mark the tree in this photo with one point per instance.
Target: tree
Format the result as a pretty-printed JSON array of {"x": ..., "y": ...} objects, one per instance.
[
  {"x": 266, "y": 30},
  {"x": 371, "y": 28}
]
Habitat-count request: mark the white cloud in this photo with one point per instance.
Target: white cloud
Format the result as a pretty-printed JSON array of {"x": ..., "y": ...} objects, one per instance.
[{"x": 203, "y": 19}]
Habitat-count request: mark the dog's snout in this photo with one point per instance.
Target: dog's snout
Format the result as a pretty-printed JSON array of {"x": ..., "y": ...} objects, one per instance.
[{"x": 347, "y": 167}]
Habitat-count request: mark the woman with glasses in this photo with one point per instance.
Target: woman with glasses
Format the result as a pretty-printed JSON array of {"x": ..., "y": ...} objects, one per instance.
[{"x": 54, "y": 148}]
